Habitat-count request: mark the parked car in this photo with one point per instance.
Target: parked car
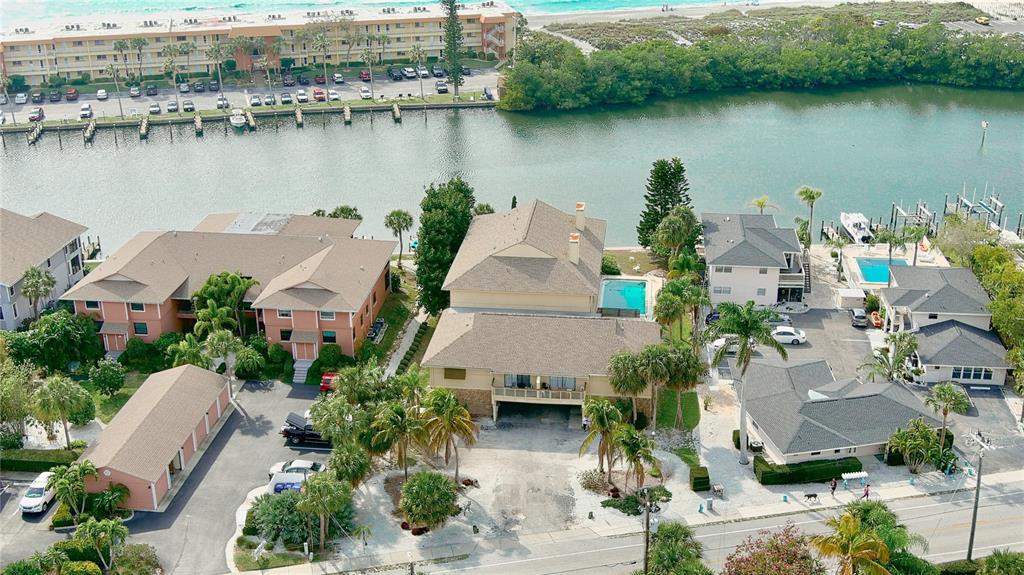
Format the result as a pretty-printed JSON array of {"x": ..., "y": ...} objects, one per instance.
[
  {"x": 188, "y": 106},
  {"x": 395, "y": 74},
  {"x": 297, "y": 430},
  {"x": 441, "y": 86},
  {"x": 780, "y": 319},
  {"x": 983, "y": 20},
  {"x": 3, "y": 99},
  {"x": 101, "y": 94},
  {"x": 488, "y": 94},
  {"x": 38, "y": 496},
  {"x": 364, "y": 75},
  {"x": 365, "y": 94},
  {"x": 38, "y": 97},
  {"x": 302, "y": 80},
  {"x": 303, "y": 466},
  {"x": 21, "y": 98},
  {"x": 409, "y": 73},
  {"x": 438, "y": 70},
  {"x": 172, "y": 106},
  {"x": 333, "y": 95},
  {"x": 184, "y": 88},
  {"x": 214, "y": 85},
  {"x": 71, "y": 95},
  {"x": 859, "y": 317},
  {"x": 422, "y": 71},
  {"x": 288, "y": 80},
  {"x": 465, "y": 71},
  {"x": 198, "y": 87},
  {"x": 319, "y": 79},
  {"x": 269, "y": 100},
  {"x": 319, "y": 95},
  {"x": 151, "y": 90},
  {"x": 286, "y": 98},
  {"x": 281, "y": 482},
  {"x": 327, "y": 381},
  {"x": 255, "y": 100},
  {"x": 720, "y": 343},
  {"x": 85, "y": 112},
  {"x": 134, "y": 92},
  {"x": 338, "y": 78},
  {"x": 790, "y": 335},
  {"x": 154, "y": 108},
  {"x": 222, "y": 103},
  {"x": 712, "y": 317},
  {"x": 301, "y": 96},
  {"x": 55, "y": 95},
  {"x": 36, "y": 115}
]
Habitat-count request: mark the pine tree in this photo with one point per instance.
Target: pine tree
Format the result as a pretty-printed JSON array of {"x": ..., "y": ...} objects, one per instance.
[
  {"x": 447, "y": 210},
  {"x": 667, "y": 188},
  {"x": 453, "y": 43}
]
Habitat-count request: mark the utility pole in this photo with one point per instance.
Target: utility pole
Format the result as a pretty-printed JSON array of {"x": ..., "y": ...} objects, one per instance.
[
  {"x": 648, "y": 507},
  {"x": 974, "y": 515}
]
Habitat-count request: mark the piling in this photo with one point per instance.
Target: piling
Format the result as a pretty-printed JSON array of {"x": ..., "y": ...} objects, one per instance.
[
  {"x": 396, "y": 113},
  {"x": 198, "y": 122},
  {"x": 250, "y": 120},
  {"x": 298, "y": 117},
  {"x": 347, "y": 112},
  {"x": 35, "y": 133}
]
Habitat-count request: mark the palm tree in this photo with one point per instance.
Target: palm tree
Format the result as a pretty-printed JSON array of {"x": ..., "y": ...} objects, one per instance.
[
  {"x": 5, "y": 84},
  {"x": 323, "y": 495},
  {"x": 37, "y": 285},
  {"x": 362, "y": 532},
  {"x": 138, "y": 44},
  {"x": 668, "y": 310},
  {"x": 915, "y": 444},
  {"x": 447, "y": 422},
  {"x": 188, "y": 351},
  {"x": 743, "y": 327},
  {"x": 686, "y": 368},
  {"x": 763, "y": 203},
  {"x": 222, "y": 344},
  {"x": 624, "y": 370},
  {"x": 653, "y": 365},
  {"x": 243, "y": 45},
  {"x": 104, "y": 537},
  {"x": 418, "y": 55},
  {"x": 636, "y": 450},
  {"x": 686, "y": 265},
  {"x": 107, "y": 501},
  {"x": 947, "y": 398},
  {"x": 891, "y": 362},
  {"x": 809, "y": 196},
  {"x": 186, "y": 49},
  {"x": 50, "y": 561},
  {"x": 694, "y": 298},
  {"x": 857, "y": 550},
  {"x": 321, "y": 43},
  {"x": 111, "y": 71},
  {"x": 915, "y": 234},
  {"x": 399, "y": 221},
  {"x": 56, "y": 399},
  {"x": 212, "y": 318},
  {"x": 68, "y": 484},
  {"x": 367, "y": 57},
  {"x": 249, "y": 361},
  {"x": 122, "y": 47},
  {"x": 604, "y": 417},
  {"x": 413, "y": 384},
  {"x": 676, "y": 229},
  {"x": 272, "y": 51},
  {"x": 402, "y": 428},
  {"x": 218, "y": 53}
]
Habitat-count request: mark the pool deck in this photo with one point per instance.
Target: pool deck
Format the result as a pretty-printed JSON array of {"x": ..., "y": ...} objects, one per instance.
[
  {"x": 930, "y": 258},
  {"x": 654, "y": 285}
]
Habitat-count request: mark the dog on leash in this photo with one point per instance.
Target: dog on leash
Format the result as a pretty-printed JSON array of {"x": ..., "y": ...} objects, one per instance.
[{"x": 810, "y": 497}]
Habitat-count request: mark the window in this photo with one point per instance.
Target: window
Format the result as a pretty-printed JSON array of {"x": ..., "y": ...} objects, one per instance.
[
  {"x": 330, "y": 337},
  {"x": 92, "y": 304},
  {"x": 137, "y": 306},
  {"x": 284, "y": 313},
  {"x": 1, "y": 313},
  {"x": 353, "y": 334},
  {"x": 286, "y": 335},
  {"x": 327, "y": 315},
  {"x": 76, "y": 43},
  {"x": 933, "y": 316},
  {"x": 837, "y": 451},
  {"x": 562, "y": 382},
  {"x": 762, "y": 271},
  {"x": 517, "y": 380},
  {"x": 140, "y": 328},
  {"x": 14, "y": 308},
  {"x": 761, "y": 291},
  {"x": 48, "y": 264},
  {"x": 972, "y": 373},
  {"x": 453, "y": 373},
  {"x": 815, "y": 453},
  {"x": 374, "y": 298},
  {"x": 722, "y": 290},
  {"x": 723, "y": 269},
  {"x": 956, "y": 372}
]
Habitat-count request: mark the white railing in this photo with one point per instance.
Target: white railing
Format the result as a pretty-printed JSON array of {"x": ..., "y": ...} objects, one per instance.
[
  {"x": 791, "y": 279},
  {"x": 530, "y": 393}
]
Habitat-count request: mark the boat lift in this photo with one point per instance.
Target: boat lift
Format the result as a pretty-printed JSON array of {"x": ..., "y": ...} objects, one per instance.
[{"x": 989, "y": 209}]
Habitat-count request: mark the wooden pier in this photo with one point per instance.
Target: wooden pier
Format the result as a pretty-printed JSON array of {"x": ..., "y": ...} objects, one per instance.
[
  {"x": 144, "y": 128},
  {"x": 396, "y": 113},
  {"x": 250, "y": 120},
  {"x": 198, "y": 123},
  {"x": 89, "y": 132},
  {"x": 298, "y": 117},
  {"x": 346, "y": 112}
]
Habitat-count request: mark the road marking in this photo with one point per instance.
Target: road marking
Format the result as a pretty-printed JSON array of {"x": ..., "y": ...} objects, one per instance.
[
  {"x": 543, "y": 558},
  {"x": 856, "y": 340},
  {"x": 1007, "y": 545}
]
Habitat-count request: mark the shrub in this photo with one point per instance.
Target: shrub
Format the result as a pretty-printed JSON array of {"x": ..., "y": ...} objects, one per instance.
[
  {"x": 259, "y": 343},
  {"x": 736, "y": 439},
  {"x": 872, "y": 303},
  {"x": 905, "y": 563},
  {"x": 961, "y": 567},
  {"x": 278, "y": 360},
  {"x": 86, "y": 414},
  {"x": 592, "y": 480},
  {"x": 11, "y": 440},
  {"x": 35, "y": 459},
  {"x": 428, "y": 499},
  {"x": 700, "y": 480},
  {"x": 806, "y": 472},
  {"x": 396, "y": 282},
  {"x": 609, "y": 266},
  {"x": 331, "y": 356},
  {"x": 81, "y": 568},
  {"x": 250, "y": 528},
  {"x": 244, "y": 542},
  {"x": 275, "y": 516},
  {"x": 895, "y": 458},
  {"x": 370, "y": 350},
  {"x": 77, "y": 550},
  {"x": 79, "y": 444},
  {"x": 107, "y": 376},
  {"x": 17, "y": 83},
  {"x": 62, "y": 517},
  {"x": 628, "y": 505},
  {"x": 641, "y": 421},
  {"x": 22, "y": 567},
  {"x": 135, "y": 559}
]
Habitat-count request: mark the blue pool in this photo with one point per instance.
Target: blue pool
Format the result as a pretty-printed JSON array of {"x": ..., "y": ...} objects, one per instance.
[
  {"x": 624, "y": 294},
  {"x": 876, "y": 270}
]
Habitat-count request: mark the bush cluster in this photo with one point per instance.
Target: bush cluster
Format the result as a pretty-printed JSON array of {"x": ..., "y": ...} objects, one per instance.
[
  {"x": 593, "y": 480},
  {"x": 81, "y": 568},
  {"x": 146, "y": 357},
  {"x": 609, "y": 266},
  {"x": 417, "y": 341},
  {"x": 700, "y": 479},
  {"x": 630, "y": 504},
  {"x": 895, "y": 458},
  {"x": 36, "y": 459},
  {"x": 806, "y": 472},
  {"x": 961, "y": 567},
  {"x": 11, "y": 440},
  {"x": 280, "y": 363}
]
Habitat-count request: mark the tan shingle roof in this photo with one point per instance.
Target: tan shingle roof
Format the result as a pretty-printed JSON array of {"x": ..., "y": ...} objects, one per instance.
[
  {"x": 276, "y": 224},
  {"x": 535, "y": 228},
  {"x": 535, "y": 344},
  {"x": 28, "y": 240},
  {"x": 146, "y": 433}
]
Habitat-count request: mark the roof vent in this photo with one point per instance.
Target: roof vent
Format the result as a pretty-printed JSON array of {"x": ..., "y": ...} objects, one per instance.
[
  {"x": 728, "y": 218},
  {"x": 574, "y": 248}
]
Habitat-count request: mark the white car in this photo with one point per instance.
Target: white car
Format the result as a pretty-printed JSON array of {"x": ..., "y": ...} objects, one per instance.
[
  {"x": 255, "y": 100},
  {"x": 101, "y": 94},
  {"x": 423, "y": 72},
  {"x": 790, "y": 335},
  {"x": 720, "y": 343},
  {"x": 409, "y": 73},
  {"x": 85, "y": 112},
  {"x": 301, "y": 97},
  {"x": 21, "y": 98},
  {"x": 365, "y": 93},
  {"x": 339, "y": 79},
  {"x": 37, "y": 497},
  {"x": 295, "y": 466},
  {"x": 333, "y": 96}
]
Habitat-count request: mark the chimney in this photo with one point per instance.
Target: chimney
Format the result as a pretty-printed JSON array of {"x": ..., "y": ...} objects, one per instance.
[
  {"x": 574, "y": 248},
  {"x": 581, "y": 218}
]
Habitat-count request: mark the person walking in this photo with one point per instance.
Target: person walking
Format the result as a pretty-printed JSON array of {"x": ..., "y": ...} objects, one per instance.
[
  {"x": 586, "y": 423},
  {"x": 867, "y": 492},
  {"x": 832, "y": 485}
]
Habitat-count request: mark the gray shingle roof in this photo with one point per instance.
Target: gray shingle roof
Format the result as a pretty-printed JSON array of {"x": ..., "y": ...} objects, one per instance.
[
  {"x": 936, "y": 290},
  {"x": 746, "y": 240},
  {"x": 952, "y": 343},
  {"x": 535, "y": 344},
  {"x": 538, "y": 234},
  {"x": 801, "y": 408}
]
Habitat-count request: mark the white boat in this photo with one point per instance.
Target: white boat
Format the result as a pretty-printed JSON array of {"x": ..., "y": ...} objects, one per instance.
[
  {"x": 856, "y": 226},
  {"x": 237, "y": 118}
]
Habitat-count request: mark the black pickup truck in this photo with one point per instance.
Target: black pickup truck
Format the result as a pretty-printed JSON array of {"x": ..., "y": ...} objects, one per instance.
[{"x": 298, "y": 430}]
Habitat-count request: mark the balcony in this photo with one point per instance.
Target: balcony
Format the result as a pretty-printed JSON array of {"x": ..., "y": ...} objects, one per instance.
[
  {"x": 795, "y": 275},
  {"x": 532, "y": 395}
]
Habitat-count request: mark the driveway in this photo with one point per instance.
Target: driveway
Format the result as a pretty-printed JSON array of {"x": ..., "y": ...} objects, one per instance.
[
  {"x": 191, "y": 535},
  {"x": 830, "y": 336},
  {"x": 991, "y": 416}
]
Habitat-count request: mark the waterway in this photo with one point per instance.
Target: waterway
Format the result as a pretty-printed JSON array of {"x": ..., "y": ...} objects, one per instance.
[{"x": 864, "y": 147}]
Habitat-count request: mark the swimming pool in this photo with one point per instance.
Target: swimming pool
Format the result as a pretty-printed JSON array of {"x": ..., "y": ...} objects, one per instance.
[
  {"x": 876, "y": 270},
  {"x": 624, "y": 294}
]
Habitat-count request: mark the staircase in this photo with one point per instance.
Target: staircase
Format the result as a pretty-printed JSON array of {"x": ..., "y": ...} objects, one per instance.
[
  {"x": 301, "y": 369},
  {"x": 807, "y": 272}
]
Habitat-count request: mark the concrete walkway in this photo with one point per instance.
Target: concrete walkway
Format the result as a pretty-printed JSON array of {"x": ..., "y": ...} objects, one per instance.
[
  {"x": 585, "y": 47},
  {"x": 406, "y": 343}
]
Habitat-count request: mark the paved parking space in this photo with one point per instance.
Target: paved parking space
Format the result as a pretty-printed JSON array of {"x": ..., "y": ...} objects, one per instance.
[
  {"x": 21, "y": 535},
  {"x": 990, "y": 415},
  {"x": 830, "y": 336}
]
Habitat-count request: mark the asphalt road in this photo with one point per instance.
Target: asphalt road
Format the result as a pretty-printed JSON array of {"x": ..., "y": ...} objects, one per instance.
[{"x": 239, "y": 96}]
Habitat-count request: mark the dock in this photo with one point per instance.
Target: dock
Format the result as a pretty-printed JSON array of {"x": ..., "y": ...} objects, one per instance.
[
  {"x": 250, "y": 120},
  {"x": 396, "y": 113},
  {"x": 346, "y": 112},
  {"x": 298, "y": 117},
  {"x": 198, "y": 122},
  {"x": 89, "y": 132},
  {"x": 144, "y": 128},
  {"x": 37, "y": 131}
]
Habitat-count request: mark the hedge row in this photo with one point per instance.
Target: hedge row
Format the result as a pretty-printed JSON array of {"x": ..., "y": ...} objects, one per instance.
[
  {"x": 36, "y": 459},
  {"x": 960, "y": 567},
  {"x": 700, "y": 480},
  {"x": 417, "y": 340},
  {"x": 806, "y": 472}
]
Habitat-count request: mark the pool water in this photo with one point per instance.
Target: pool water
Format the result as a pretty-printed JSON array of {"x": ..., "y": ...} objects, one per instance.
[
  {"x": 624, "y": 294},
  {"x": 876, "y": 270}
]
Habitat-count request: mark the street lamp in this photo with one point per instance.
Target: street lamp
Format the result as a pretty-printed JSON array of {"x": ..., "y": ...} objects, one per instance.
[{"x": 647, "y": 506}]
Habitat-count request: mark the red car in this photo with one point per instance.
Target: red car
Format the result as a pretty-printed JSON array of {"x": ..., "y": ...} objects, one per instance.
[
  {"x": 364, "y": 75},
  {"x": 327, "y": 382},
  {"x": 319, "y": 95},
  {"x": 71, "y": 95},
  {"x": 320, "y": 79}
]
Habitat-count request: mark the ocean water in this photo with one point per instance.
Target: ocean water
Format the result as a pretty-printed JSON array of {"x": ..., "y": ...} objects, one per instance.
[{"x": 25, "y": 11}]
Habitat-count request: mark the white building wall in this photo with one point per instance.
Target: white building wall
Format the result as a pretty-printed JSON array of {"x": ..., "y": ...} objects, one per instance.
[
  {"x": 941, "y": 373},
  {"x": 744, "y": 284},
  {"x": 11, "y": 298}
]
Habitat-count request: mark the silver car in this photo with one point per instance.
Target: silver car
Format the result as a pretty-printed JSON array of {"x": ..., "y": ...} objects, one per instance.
[{"x": 859, "y": 317}]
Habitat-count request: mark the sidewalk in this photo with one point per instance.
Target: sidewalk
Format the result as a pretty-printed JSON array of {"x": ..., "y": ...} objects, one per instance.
[{"x": 407, "y": 337}]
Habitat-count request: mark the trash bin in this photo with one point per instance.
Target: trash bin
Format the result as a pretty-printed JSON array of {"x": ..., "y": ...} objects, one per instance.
[{"x": 710, "y": 503}]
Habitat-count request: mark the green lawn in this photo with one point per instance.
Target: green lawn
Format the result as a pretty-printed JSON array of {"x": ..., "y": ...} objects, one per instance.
[
  {"x": 641, "y": 258},
  {"x": 689, "y": 456},
  {"x": 107, "y": 407},
  {"x": 679, "y": 332},
  {"x": 667, "y": 409},
  {"x": 245, "y": 562}
]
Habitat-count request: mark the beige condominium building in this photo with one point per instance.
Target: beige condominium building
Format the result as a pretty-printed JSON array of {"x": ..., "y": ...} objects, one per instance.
[
  {"x": 524, "y": 324},
  {"x": 73, "y": 46}
]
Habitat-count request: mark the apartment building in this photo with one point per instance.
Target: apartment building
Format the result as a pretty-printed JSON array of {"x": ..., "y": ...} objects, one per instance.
[
  {"x": 45, "y": 241},
  {"x": 316, "y": 283},
  {"x": 71, "y": 47},
  {"x": 524, "y": 326},
  {"x": 750, "y": 258}
]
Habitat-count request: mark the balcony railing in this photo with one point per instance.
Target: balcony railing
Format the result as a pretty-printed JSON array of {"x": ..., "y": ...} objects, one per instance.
[
  {"x": 791, "y": 279},
  {"x": 541, "y": 394}
]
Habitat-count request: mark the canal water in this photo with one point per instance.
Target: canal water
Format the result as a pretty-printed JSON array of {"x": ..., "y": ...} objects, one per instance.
[{"x": 865, "y": 148}]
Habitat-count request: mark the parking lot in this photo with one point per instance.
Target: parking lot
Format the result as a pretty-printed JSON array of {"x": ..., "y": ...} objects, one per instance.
[{"x": 238, "y": 96}]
